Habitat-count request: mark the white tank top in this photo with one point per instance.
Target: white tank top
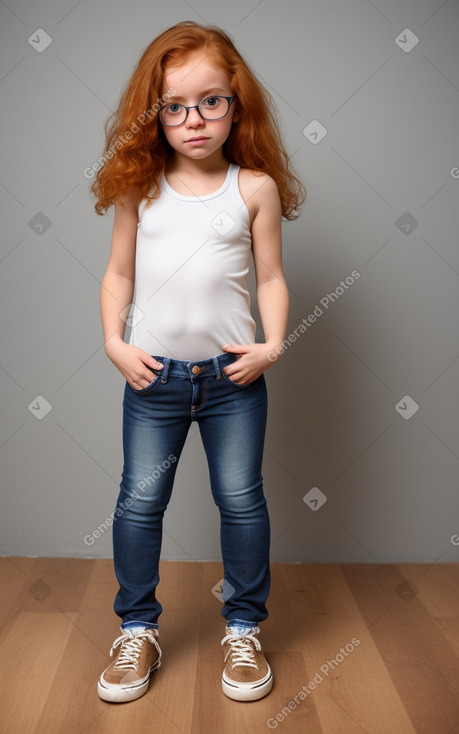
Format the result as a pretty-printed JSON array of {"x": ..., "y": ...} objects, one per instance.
[{"x": 192, "y": 259}]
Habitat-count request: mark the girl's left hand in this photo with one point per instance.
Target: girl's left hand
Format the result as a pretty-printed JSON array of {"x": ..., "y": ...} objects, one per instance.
[{"x": 251, "y": 364}]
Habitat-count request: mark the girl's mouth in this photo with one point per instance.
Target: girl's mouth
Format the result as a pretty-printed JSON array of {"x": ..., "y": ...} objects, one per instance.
[{"x": 197, "y": 141}]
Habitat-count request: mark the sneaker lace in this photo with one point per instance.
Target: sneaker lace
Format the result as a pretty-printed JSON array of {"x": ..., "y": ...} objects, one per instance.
[
  {"x": 241, "y": 650},
  {"x": 131, "y": 647}
]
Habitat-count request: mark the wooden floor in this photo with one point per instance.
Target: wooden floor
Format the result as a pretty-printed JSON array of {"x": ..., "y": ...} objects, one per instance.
[{"x": 354, "y": 648}]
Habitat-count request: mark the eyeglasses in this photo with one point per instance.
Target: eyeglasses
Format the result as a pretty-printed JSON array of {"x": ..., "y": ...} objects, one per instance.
[{"x": 210, "y": 108}]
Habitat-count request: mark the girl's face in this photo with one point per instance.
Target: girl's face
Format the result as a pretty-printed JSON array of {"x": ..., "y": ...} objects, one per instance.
[{"x": 193, "y": 81}]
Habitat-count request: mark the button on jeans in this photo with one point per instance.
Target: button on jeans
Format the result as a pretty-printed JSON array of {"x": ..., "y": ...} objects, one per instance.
[{"x": 232, "y": 423}]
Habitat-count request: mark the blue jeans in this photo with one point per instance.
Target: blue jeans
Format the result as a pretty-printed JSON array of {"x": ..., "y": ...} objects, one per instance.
[{"x": 232, "y": 422}]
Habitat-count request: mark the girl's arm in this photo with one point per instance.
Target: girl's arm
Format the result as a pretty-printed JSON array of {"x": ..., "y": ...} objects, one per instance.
[
  {"x": 272, "y": 291},
  {"x": 117, "y": 285},
  {"x": 116, "y": 294}
]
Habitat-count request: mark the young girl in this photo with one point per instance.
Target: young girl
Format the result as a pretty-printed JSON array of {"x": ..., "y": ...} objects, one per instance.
[{"x": 196, "y": 169}]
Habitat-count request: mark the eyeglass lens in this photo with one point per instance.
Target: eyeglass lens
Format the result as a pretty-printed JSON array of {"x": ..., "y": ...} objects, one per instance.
[{"x": 211, "y": 108}]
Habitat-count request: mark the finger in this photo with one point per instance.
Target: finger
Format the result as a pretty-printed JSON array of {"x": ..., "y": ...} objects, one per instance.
[
  {"x": 152, "y": 362},
  {"x": 151, "y": 374},
  {"x": 233, "y": 371},
  {"x": 235, "y": 348},
  {"x": 236, "y": 376},
  {"x": 145, "y": 380}
]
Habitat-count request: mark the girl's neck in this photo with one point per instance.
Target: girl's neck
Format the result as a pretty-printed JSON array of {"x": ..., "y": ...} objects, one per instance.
[{"x": 213, "y": 164}]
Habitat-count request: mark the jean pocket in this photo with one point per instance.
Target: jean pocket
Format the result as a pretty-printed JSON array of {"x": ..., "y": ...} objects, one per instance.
[
  {"x": 237, "y": 384},
  {"x": 151, "y": 386}
]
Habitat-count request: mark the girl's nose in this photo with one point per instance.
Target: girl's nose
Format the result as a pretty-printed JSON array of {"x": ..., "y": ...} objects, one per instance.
[{"x": 194, "y": 118}]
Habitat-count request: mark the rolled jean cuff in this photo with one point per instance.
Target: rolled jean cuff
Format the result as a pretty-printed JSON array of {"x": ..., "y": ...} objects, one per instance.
[
  {"x": 240, "y": 623},
  {"x": 139, "y": 623}
]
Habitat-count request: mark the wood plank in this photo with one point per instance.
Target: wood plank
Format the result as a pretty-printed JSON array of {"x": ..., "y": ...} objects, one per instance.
[
  {"x": 77, "y": 705},
  {"x": 43, "y": 585},
  {"x": 419, "y": 660},
  {"x": 436, "y": 585},
  {"x": 449, "y": 627},
  {"x": 13, "y": 572},
  {"x": 356, "y": 691},
  {"x": 31, "y": 652}
]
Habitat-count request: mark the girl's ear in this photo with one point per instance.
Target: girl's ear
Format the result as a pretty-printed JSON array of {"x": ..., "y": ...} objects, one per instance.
[{"x": 236, "y": 116}]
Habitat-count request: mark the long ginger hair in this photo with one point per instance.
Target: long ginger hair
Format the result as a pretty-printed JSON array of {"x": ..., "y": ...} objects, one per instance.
[{"x": 136, "y": 150}]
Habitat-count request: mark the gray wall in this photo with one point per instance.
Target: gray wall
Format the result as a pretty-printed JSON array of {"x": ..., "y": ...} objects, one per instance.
[{"x": 383, "y": 186}]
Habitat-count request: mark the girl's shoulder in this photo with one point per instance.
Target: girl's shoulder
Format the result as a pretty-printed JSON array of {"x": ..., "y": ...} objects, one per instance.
[
  {"x": 252, "y": 176},
  {"x": 256, "y": 186},
  {"x": 252, "y": 181}
]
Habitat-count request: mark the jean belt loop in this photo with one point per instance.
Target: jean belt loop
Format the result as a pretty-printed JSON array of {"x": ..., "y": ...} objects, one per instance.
[
  {"x": 216, "y": 367},
  {"x": 165, "y": 373}
]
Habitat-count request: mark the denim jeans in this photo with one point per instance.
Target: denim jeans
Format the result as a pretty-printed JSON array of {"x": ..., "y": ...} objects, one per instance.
[{"x": 232, "y": 423}]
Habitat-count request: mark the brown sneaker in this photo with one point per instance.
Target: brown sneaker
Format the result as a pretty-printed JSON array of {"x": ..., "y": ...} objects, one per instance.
[
  {"x": 128, "y": 675},
  {"x": 247, "y": 675}
]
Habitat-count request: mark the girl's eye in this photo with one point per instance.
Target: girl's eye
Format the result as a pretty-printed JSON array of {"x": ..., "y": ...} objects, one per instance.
[
  {"x": 211, "y": 102},
  {"x": 174, "y": 108}
]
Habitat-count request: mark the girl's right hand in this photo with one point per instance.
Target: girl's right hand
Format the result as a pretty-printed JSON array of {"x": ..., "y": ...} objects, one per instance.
[{"x": 133, "y": 363}]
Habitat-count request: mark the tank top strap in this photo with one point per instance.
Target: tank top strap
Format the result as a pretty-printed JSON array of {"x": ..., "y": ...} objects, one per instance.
[{"x": 234, "y": 177}]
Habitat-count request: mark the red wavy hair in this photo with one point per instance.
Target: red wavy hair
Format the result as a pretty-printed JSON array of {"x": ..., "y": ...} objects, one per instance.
[{"x": 136, "y": 150}]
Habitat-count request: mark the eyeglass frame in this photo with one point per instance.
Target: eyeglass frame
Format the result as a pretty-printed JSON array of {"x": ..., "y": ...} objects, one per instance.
[{"x": 230, "y": 101}]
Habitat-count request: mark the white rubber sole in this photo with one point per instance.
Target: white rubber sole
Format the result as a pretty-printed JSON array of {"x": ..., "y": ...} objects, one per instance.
[
  {"x": 247, "y": 691},
  {"x": 121, "y": 695}
]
